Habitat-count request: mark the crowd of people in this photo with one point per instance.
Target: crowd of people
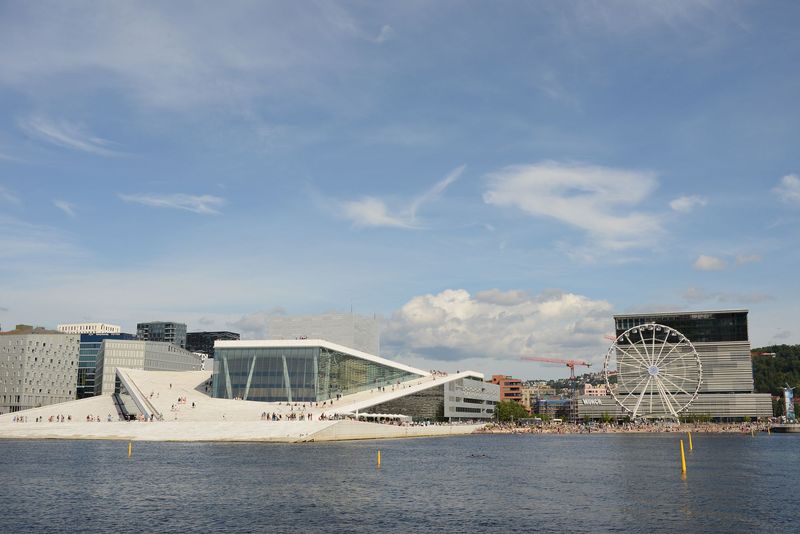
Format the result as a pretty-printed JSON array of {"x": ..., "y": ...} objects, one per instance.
[{"x": 611, "y": 428}]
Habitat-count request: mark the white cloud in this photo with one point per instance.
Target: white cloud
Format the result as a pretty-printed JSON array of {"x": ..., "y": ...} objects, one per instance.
[
  {"x": 8, "y": 197},
  {"x": 709, "y": 263},
  {"x": 66, "y": 207},
  {"x": 685, "y": 204},
  {"x": 66, "y": 135},
  {"x": 598, "y": 200},
  {"x": 166, "y": 56},
  {"x": 695, "y": 294},
  {"x": 788, "y": 189},
  {"x": 454, "y": 325},
  {"x": 386, "y": 34},
  {"x": 371, "y": 211},
  {"x": 743, "y": 259},
  {"x": 203, "y": 204}
]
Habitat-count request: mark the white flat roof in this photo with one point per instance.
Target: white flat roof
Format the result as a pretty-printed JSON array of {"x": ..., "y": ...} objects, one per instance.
[
  {"x": 305, "y": 343},
  {"x": 684, "y": 312}
]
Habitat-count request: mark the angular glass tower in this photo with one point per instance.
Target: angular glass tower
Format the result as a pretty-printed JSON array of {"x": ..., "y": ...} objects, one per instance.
[{"x": 299, "y": 370}]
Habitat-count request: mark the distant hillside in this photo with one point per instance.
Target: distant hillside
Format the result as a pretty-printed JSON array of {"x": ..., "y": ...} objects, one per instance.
[{"x": 772, "y": 374}]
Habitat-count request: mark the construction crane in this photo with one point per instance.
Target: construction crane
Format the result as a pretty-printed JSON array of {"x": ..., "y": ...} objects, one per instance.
[{"x": 569, "y": 363}]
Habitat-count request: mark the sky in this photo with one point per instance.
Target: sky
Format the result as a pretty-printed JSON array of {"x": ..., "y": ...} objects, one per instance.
[{"x": 492, "y": 179}]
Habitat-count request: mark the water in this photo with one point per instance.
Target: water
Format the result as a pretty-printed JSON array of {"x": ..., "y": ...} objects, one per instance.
[{"x": 508, "y": 483}]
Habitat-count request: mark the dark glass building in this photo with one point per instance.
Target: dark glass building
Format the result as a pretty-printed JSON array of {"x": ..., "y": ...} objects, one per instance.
[
  {"x": 299, "y": 371},
  {"x": 699, "y": 327},
  {"x": 204, "y": 341},
  {"x": 87, "y": 361},
  {"x": 167, "y": 332}
]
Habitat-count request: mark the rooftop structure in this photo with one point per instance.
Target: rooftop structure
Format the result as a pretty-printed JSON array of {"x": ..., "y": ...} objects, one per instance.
[
  {"x": 167, "y": 332},
  {"x": 36, "y": 369},
  {"x": 89, "y": 328},
  {"x": 347, "y": 329},
  {"x": 203, "y": 342}
]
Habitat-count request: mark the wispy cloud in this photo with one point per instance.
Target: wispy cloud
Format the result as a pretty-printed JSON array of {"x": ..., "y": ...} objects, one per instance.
[
  {"x": 695, "y": 294},
  {"x": 386, "y": 34},
  {"x": 743, "y": 259},
  {"x": 685, "y": 204},
  {"x": 66, "y": 207},
  {"x": 372, "y": 211},
  {"x": 203, "y": 204},
  {"x": 66, "y": 135},
  {"x": 598, "y": 200},
  {"x": 709, "y": 263},
  {"x": 8, "y": 197},
  {"x": 788, "y": 189}
]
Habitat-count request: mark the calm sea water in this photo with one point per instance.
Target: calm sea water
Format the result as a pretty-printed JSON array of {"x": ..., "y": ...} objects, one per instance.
[{"x": 584, "y": 483}]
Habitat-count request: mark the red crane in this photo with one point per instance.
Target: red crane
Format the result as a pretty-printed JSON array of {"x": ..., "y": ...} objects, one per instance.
[{"x": 569, "y": 363}]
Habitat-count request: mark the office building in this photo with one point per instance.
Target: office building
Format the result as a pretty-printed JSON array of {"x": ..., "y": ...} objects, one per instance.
[
  {"x": 87, "y": 361},
  {"x": 725, "y": 391},
  {"x": 167, "y": 332},
  {"x": 510, "y": 388},
  {"x": 37, "y": 368},
  {"x": 137, "y": 354},
  {"x": 89, "y": 328},
  {"x": 203, "y": 342},
  {"x": 346, "y": 329}
]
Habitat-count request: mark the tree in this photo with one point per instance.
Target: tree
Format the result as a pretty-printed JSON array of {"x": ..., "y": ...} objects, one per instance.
[{"x": 510, "y": 411}]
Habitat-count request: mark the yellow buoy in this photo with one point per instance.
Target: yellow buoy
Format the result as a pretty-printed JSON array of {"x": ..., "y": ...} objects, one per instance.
[
  {"x": 683, "y": 460},
  {"x": 691, "y": 448},
  {"x": 379, "y": 458},
  {"x": 130, "y": 449}
]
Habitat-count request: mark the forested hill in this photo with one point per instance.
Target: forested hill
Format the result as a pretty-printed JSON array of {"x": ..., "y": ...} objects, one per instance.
[{"x": 772, "y": 374}]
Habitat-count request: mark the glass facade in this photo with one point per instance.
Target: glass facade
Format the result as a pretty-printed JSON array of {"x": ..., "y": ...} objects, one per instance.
[
  {"x": 87, "y": 361},
  {"x": 296, "y": 374},
  {"x": 700, "y": 327}
]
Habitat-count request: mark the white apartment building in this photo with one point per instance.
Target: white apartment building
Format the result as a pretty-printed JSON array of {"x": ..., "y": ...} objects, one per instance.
[
  {"x": 37, "y": 370},
  {"x": 89, "y": 328}
]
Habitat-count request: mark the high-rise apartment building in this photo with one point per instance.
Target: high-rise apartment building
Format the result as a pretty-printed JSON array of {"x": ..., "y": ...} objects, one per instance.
[
  {"x": 167, "y": 332},
  {"x": 37, "y": 368}
]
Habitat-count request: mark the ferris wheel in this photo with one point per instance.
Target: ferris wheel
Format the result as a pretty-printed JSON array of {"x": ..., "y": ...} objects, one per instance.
[{"x": 658, "y": 371}]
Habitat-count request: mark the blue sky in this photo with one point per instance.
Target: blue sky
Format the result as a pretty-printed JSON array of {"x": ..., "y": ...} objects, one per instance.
[{"x": 493, "y": 179}]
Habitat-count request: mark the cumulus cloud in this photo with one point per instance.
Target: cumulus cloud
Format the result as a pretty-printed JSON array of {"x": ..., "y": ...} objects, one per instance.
[
  {"x": 372, "y": 211},
  {"x": 203, "y": 204},
  {"x": 455, "y": 325},
  {"x": 695, "y": 294},
  {"x": 685, "y": 204},
  {"x": 709, "y": 263},
  {"x": 788, "y": 189},
  {"x": 597, "y": 200},
  {"x": 67, "y": 207},
  {"x": 66, "y": 135}
]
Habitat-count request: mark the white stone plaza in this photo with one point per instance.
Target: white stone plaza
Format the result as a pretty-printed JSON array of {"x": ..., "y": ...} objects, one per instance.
[{"x": 179, "y": 406}]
